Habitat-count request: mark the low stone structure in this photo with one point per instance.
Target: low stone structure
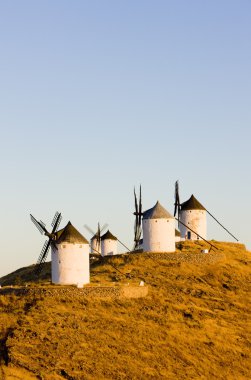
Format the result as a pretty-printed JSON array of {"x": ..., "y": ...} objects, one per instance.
[
  {"x": 128, "y": 291},
  {"x": 194, "y": 258}
]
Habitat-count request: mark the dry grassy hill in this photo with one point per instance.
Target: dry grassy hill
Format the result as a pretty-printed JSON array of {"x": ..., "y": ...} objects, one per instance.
[{"x": 193, "y": 324}]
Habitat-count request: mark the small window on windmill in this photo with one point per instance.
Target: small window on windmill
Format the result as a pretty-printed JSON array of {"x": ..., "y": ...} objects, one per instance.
[
  {"x": 156, "y": 221},
  {"x": 64, "y": 246}
]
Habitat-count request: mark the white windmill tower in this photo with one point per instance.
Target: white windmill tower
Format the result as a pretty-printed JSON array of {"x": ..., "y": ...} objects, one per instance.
[
  {"x": 192, "y": 217},
  {"x": 70, "y": 257},
  {"x": 158, "y": 230},
  {"x": 70, "y": 253},
  {"x": 193, "y": 214},
  {"x": 109, "y": 244}
]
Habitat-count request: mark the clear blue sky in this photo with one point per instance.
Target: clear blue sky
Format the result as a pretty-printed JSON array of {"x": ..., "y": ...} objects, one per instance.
[{"x": 99, "y": 96}]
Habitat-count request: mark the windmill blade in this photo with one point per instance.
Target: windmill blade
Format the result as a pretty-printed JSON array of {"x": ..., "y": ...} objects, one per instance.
[
  {"x": 44, "y": 253},
  {"x": 176, "y": 199},
  {"x": 138, "y": 214},
  {"x": 135, "y": 231},
  {"x": 136, "y": 228},
  {"x": 136, "y": 203},
  {"x": 40, "y": 225},
  {"x": 177, "y": 192},
  {"x": 43, "y": 256},
  {"x": 98, "y": 235},
  {"x": 175, "y": 208},
  {"x": 222, "y": 225},
  {"x": 138, "y": 236},
  {"x": 89, "y": 230},
  {"x": 45, "y": 250},
  {"x": 140, "y": 204},
  {"x": 104, "y": 227},
  {"x": 56, "y": 221}
]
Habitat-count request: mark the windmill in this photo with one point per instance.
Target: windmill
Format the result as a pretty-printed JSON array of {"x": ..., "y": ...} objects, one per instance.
[
  {"x": 51, "y": 235},
  {"x": 96, "y": 238},
  {"x": 138, "y": 223},
  {"x": 192, "y": 203}
]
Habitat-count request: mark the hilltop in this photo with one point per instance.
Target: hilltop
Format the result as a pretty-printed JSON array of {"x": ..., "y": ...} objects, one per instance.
[{"x": 193, "y": 324}]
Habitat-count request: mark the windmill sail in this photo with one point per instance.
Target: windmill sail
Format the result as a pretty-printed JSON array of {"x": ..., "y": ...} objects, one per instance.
[
  {"x": 138, "y": 215},
  {"x": 52, "y": 236},
  {"x": 39, "y": 224},
  {"x": 44, "y": 251},
  {"x": 96, "y": 238},
  {"x": 177, "y": 200},
  {"x": 43, "y": 256},
  {"x": 56, "y": 221}
]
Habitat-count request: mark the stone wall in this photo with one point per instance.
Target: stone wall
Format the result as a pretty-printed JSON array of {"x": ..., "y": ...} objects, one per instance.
[
  {"x": 195, "y": 258},
  {"x": 70, "y": 292}
]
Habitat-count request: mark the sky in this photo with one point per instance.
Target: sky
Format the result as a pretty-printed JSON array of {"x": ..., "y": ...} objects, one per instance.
[{"x": 97, "y": 97}]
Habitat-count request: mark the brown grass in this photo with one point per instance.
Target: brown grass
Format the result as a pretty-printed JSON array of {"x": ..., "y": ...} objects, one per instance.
[{"x": 194, "y": 324}]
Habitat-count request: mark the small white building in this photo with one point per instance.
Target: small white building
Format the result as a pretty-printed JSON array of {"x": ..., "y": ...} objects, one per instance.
[
  {"x": 109, "y": 244},
  {"x": 70, "y": 263},
  {"x": 193, "y": 215},
  {"x": 158, "y": 230}
]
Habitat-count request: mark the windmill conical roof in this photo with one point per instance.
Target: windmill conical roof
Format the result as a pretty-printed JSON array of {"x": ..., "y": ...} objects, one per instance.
[
  {"x": 157, "y": 212},
  {"x": 94, "y": 236},
  {"x": 192, "y": 204},
  {"x": 59, "y": 233},
  {"x": 69, "y": 234},
  {"x": 108, "y": 235}
]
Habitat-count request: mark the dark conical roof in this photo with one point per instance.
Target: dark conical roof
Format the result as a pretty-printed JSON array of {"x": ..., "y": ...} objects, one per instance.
[
  {"x": 157, "y": 212},
  {"x": 108, "y": 235},
  {"x": 95, "y": 236},
  {"x": 59, "y": 233},
  {"x": 69, "y": 234},
  {"x": 192, "y": 204}
]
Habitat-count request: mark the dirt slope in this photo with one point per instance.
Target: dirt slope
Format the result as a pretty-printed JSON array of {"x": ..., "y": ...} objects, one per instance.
[{"x": 194, "y": 323}]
